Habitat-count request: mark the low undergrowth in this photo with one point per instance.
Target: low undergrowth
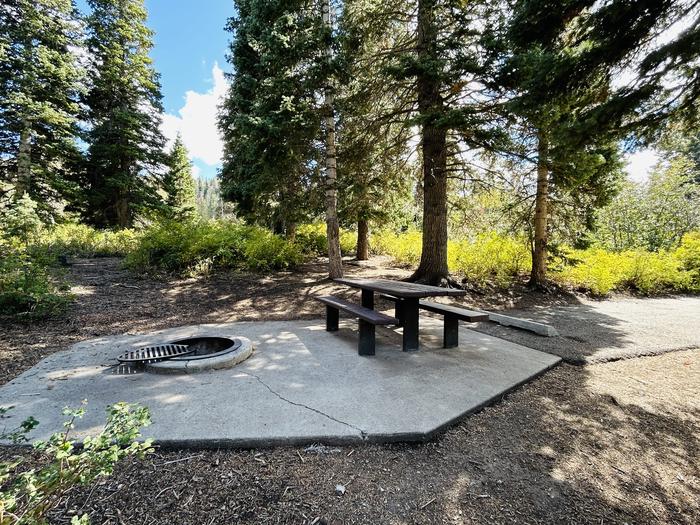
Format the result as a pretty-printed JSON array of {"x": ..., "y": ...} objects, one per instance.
[
  {"x": 29, "y": 493},
  {"x": 31, "y": 255},
  {"x": 30, "y": 286},
  {"x": 195, "y": 248},
  {"x": 499, "y": 260}
]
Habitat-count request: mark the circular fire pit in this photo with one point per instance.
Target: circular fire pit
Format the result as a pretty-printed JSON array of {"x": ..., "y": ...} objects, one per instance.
[{"x": 210, "y": 353}]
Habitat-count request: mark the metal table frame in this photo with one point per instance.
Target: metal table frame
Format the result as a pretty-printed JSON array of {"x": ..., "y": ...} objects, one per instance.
[{"x": 409, "y": 295}]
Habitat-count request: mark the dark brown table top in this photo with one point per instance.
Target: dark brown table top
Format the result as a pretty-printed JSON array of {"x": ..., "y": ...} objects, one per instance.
[{"x": 400, "y": 288}]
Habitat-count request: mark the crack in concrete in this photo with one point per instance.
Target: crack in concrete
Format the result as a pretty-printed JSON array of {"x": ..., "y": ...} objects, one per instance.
[{"x": 363, "y": 434}]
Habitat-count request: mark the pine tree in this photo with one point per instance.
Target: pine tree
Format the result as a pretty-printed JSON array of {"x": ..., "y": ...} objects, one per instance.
[
  {"x": 271, "y": 118},
  {"x": 39, "y": 89},
  {"x": 124, "y": 141},
  {"x": 427, "y": 58},
  {"x": 373, "y": 176},
  {"x": 557, "y": 62},
  {"x": 178, "y": 183}
]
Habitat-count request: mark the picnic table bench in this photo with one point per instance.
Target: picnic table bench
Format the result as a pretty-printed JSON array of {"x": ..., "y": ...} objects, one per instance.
[{"x": 408, "y": 299}]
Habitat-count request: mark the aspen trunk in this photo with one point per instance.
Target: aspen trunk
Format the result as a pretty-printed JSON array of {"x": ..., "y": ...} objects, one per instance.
[
  {"x": 433, "y": 264},
  {"x": 539, "y": 251},
  {"x": 335, "y": 262},
  {"x": 362, "y": 240},
  {"x": 24, "y": 161}
]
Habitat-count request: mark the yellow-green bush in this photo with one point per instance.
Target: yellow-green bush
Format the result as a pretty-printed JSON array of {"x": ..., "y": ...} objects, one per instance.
[
  {"x": 639, "y": 271},
  {"x": 83, "y": 241},
  {"x": 200, "y": 246},
  {"x": 497, "y": 259},
  {"x": 404, "y": 247},
  {"x": 489, "y": 258},
  {"x": 597, "y": 270},
  {"x": 311, "y": 239},
  {"x": 688, "y": 255},
  {"x": 348, "y": 241},
  {"x": 28, "y": 285}
]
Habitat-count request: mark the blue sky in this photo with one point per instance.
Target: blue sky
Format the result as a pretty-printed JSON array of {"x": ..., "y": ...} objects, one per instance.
[{"x": 189, "y": 51}]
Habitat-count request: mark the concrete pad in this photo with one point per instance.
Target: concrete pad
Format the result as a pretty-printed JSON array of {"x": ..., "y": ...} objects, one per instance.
[{"x": 301, "y": 385}]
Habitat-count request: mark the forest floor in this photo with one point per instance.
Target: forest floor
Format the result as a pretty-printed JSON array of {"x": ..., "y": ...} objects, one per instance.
[{"x": 614, "y": 438}]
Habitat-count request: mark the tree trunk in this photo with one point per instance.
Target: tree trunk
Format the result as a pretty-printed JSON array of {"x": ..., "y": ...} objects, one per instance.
[
  {"x": 24, "y": 162},
  {"x": 335, "y": 262},
  {"x": 362, "y": 240},
  {"x": 121, "y": 208},
  {"x": 539, "y": 251},
  {"x": 291, "y": 231},
  {"x": 433, "y": 264}
]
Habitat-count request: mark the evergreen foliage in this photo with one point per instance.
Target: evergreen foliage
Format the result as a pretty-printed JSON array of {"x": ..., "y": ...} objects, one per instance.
[
  {"x": 125, "y": 145},
  {"x": 555, "y": 64},
  {"x": 271, "y": 118},
  {"x": 208, "y": 199},
  {"x": 40, "y": 82},
  {"x": 178, "y": 184}
]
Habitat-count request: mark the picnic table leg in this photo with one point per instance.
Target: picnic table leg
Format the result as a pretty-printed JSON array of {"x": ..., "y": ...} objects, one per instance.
[
  {"x": 366, "y": 342},
  {"x": 368, "y": 299},
  {"x": 332, "y": 315},
  {"x": 451, "y": 332},
  {"x": 410, "y": 324},
  {"x": 398, "y": 311}
]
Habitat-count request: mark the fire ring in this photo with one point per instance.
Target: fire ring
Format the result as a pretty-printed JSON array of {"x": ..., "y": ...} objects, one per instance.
[{"x": 208, "y": 353}]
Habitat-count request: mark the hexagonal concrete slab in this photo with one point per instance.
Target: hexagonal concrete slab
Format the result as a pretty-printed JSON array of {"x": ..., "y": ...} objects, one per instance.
[{"x": 301, "y": 385}]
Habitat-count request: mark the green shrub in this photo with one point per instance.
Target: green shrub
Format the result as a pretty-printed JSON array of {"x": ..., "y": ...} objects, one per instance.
[
  {"x": 311, "y": 239},
  {"x": 404, "y": 247},
  {"x": 348, "y": 241},
  {"x": 688, "y": 255},
  {"x": 653, "y": 273},
  {"x": 21, "y": 220},
  {"x": 266, "y": 251},
  {"x": 198, "y": 247},
  {"x": 489, "y": 258},
  {"x": 647, "y": 273},
  {"x": 595, "y": 269},
  {"x": 83, "y": 241},
  {"x": 28, "y": 495},
  {"x": 28, "y": 287}
]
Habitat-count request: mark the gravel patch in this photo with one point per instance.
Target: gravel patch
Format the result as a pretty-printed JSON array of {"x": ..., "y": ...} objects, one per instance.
[{"x": 599, "y": 331}]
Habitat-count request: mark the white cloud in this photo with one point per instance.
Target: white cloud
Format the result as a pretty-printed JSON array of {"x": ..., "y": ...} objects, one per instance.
[
  {"x": 640, "y": 164},
  {"x": 196, "y": 121}
]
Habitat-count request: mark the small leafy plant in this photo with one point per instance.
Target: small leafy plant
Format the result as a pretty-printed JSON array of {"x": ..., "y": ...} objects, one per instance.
[{"x": 27, "y": 496}]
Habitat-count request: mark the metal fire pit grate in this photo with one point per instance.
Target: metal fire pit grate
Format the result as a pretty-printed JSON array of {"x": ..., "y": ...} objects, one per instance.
[{"x": 154, "y": 353}]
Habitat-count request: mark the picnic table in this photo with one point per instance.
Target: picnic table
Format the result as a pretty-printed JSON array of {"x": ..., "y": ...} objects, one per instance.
[{"x": 407, "y": 295}]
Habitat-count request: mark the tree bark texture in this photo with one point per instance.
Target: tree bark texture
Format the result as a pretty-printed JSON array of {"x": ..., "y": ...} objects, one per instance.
[
  {"x": 362, "y": 240},
  {"x": 335, "y": 262},
  {"x": 539, "y": 251},
  {"x": 433, "y": 264}
]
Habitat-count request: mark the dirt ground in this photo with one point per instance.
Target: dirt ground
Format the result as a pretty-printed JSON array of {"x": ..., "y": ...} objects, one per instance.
[{"x": 614, "y": 442}]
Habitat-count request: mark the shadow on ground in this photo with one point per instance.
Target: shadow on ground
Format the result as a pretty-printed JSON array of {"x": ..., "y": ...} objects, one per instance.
[{"x": 609, "y": 442}]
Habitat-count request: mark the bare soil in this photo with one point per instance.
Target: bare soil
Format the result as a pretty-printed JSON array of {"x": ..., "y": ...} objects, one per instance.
[{"x": 615, "y": 442}]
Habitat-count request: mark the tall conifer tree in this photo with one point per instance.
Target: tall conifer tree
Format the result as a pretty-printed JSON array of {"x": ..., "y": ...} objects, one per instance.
[
  {"x": 124, "y": 141},
  {"x": 271, "y": 118},
  {"x": 558, "y": 62},
  {"x": 39, "y": 89},
  {"x": 178, "y": 183}
]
